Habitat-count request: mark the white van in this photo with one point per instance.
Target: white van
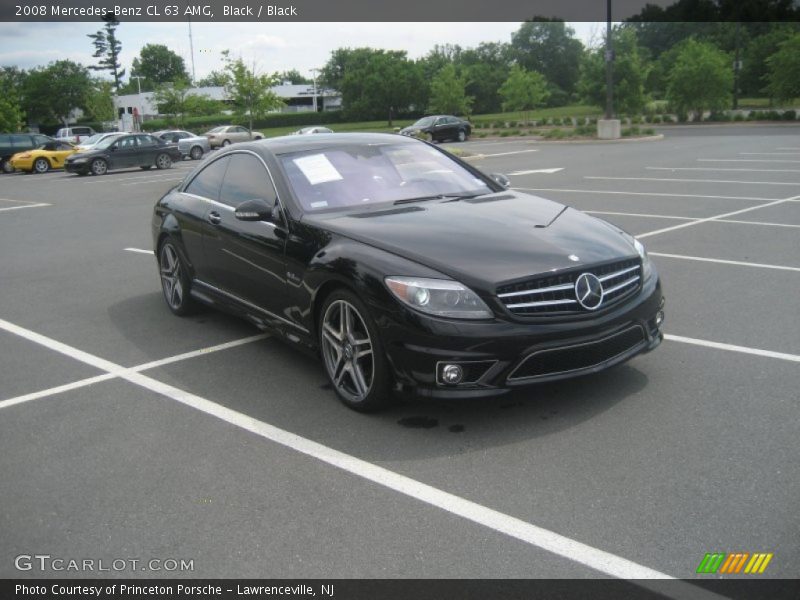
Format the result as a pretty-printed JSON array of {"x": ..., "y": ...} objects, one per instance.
[{"x": 74, "y": 134}]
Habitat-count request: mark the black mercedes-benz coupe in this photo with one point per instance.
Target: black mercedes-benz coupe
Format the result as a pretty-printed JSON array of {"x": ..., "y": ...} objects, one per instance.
[{"x": 404, "y": 268}]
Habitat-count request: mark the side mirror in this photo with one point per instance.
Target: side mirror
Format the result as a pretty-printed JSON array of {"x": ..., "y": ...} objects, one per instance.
[
  {"x": 254, "y": 210},
  {"x": 501, "y": 179},
  {"x": 113, "y": 148}
]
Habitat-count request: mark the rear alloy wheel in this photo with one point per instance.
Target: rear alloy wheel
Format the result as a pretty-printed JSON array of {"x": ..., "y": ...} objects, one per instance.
[
  {"x": 226, "y": 142},
  {"x": 7, "y": 168},
  {"x": 174, "y": 280},
  {"x": 196, "y": 153},
  {"x": 429, "y": 137},
  {"x": 41, "y": 165},
  {"x": 163, "y": 161},
  {"x": 99, "y": 166},
  {"x": 462, "y": 135},
  {"x": 353, "y": 353}
]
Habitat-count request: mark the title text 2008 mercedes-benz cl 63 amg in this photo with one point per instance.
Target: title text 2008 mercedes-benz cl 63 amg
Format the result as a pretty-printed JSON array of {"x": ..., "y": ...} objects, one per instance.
[{"x": 405, "y": 268}]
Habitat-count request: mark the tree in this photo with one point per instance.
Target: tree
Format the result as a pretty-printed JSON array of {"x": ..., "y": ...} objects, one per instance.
[
  {"x": 199, "y": 105},
  {"x": 375, "y": 83},
  {"x": 157, "y": 65},
  {"x": 213, "y": 79},
  {"x": 11, "y": 82},
  {"x": 249, "y": 92},
  {"x": 754, "y": 73},
  {"x": 99, "y": 101},
  {"x": 486, "y": 68},
  {"x": 53, "y": 92},
  {"x": 630, "y": 73},
  {"x": 784, "y": 70},
  {"x": 447, "y": 93},
  {"x": 293, "y": 76},
  {"x": 523, "y": 90},
  {"x": 701, "y": 79},
  {"x": 171, "y": 99},
  {"x": 107, "y": 48},
  {"x": 549, "y": 47}
]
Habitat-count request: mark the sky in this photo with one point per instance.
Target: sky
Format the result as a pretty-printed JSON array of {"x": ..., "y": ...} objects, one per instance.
[{"x": 274, "y": 47}]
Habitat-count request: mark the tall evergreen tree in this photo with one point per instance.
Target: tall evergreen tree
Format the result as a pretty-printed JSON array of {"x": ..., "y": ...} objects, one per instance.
[{"x": 107, "y": 49}]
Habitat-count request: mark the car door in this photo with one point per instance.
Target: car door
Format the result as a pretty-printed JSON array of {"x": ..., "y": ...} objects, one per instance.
[
  {"x": 242, "y": 134},
  {"x": 197, "y": 199},
  {"x": 246, "y": 258},
  {"x": 123, "y": 153},
  {"x": 148, "y": 147}
]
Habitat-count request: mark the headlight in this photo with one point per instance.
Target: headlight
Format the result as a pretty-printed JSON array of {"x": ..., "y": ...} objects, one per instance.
[
  {"x": 440, "y": 297},
  {"x": 647, "y": 266}
]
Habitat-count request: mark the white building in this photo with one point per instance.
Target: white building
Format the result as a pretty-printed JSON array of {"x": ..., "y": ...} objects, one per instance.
[{"x": 297, "y": 98}]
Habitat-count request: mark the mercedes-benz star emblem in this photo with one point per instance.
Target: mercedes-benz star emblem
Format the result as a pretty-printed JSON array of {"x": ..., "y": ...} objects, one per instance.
[{"x": 589, "y": 291}]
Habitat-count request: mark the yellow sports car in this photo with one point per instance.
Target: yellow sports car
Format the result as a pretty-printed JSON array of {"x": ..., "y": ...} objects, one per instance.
[{"x": 40, "y": 160}]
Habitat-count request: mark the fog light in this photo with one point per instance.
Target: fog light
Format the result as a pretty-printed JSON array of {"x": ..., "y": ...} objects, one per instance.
[
  {"x": 659, "y": 318},
  {"x": 452, "y": 374}
]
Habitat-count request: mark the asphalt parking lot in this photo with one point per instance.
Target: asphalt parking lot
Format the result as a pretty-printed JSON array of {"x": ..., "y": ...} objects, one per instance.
[{"x": 126, "y": 432}]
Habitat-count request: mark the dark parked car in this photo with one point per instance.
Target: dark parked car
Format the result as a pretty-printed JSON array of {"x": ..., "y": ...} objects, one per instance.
[
  {"x": 439, "y": 128},
  {"x": 12, "y": 143},
  {"x": 405, "y": 268},
  {"x": 134, "y": 150}
]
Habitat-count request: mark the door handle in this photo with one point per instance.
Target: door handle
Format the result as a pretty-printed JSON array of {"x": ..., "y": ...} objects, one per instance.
[{"x": 214, "y": 218}]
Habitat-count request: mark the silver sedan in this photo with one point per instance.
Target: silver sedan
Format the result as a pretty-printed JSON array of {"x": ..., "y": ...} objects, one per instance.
[{"x": 191, "y": 145}]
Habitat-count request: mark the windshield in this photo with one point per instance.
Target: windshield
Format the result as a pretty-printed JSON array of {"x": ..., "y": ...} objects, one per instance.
[
  {"x": 92, "y": 139},
  {"x": 350, "y": 176},
  {"x": 106, "y": 142},
  {"x": 424, "y": 122}
]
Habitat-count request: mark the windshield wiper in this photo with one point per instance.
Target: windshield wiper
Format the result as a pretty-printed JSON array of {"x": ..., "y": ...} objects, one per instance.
[{"x": 445, "y": 197}]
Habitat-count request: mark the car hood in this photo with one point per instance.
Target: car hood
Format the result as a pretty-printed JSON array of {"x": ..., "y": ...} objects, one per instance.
[{"x": 488, "y": 240}]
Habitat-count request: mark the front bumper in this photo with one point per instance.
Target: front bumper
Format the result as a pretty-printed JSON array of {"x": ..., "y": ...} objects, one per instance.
[
  {"x": 501, "y": 355},
  {"x": 76, "y": 167}
]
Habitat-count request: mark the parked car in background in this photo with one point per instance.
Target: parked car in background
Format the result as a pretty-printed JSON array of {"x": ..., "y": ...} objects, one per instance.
[
  {"x": 74, "y": 135},
  {"x": 438, "y": 128},
  {"x": 230, "y": 134},
  {"x": 191, "y": 145},
  {"x": 315, "y": 129},
  {"x": 50, "y": 155},
  {"x": 131, "y": 150},
  {"x": 92, "y": 140},
  {"x": 404, "y": 267},
  {"x": 12, "y": 143}
]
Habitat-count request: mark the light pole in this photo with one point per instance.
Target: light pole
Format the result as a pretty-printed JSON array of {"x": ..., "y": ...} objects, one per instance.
[
  {"x": 609, "y": 66},
  {"x": 314, "y": 75}
]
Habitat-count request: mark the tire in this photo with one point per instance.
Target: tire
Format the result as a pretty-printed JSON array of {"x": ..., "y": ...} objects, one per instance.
[
  {"x": 163, "y": 161},
  {"x": 175, "y": 282},
  {"x": 146, "y": 167},
  {"x": 196, "y": 153},
  {"x": 7, "y": 168},
  {"x": 258, "y": 137},
  {"x": 41, "y": 165},
  {"x": 462, "y": 135},
  {"x": 429, "y": 137},
  {"x": 226, "y": 143},
  {"x": 353, "y": 354},
  {"x": 99, "y": 167}
]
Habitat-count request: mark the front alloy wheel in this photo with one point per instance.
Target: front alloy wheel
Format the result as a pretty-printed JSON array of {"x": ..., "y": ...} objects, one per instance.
[
  {"x": 353, "y": 354},
  {"x": 462, "y": 135},
  {"x": 163, "y": 161},
  {"x": 174, "y": 280},
  {"x": 41, "y": 165},
  {"x": 196, "y": 153},
  {"x": 99, "y": 166}
]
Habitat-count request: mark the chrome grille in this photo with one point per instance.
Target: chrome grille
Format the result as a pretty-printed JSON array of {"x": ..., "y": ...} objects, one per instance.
[{"x": 549, "y": 295}]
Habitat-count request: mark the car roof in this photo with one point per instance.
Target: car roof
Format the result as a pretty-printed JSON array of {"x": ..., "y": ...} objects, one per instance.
[{"x": 295, "y": 143}]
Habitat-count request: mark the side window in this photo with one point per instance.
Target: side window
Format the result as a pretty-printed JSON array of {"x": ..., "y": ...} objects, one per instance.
[
  {"x": 127, "y": 143},
  {"x": 246, "y": 179},
  {"x": 240, "y": 130},
  {"x": 63, "y": 146},
  {"x": 145, "y": 141},
  {"x": 180, "y": 136},
  {"x": 208, "y": 181},
  {"x": 41, "y": 139},
  {"x": 21, "y": 141}
]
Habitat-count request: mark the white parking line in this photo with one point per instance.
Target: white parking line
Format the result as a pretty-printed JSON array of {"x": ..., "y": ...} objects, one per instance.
[
  {"x": 573, "y": 550},
  {"x": 626, "y": 214},
  {"x": 112, "y": 179},
  {"x": 724, "y": 262},
  {"x": 798, "y": 149},
  {"x": 733, "y": 348},
  {"x": 139, "y": 250},
  {"x": 723, "y": 169},
  {"x": 656, "y": 194},
  {"x": 768, "y": 153},
  {"x": 154, "y": 180},
  {"x": 736, "y": 181},
  {"x": 17, "y": 201},
  {"x": 747, "y": 160},
  {"x": 151, "y": 365},
  {"x": 503, "y": 153},
  {"x": 25, "y": 206},
  {"x": 717, "y": 217}
]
